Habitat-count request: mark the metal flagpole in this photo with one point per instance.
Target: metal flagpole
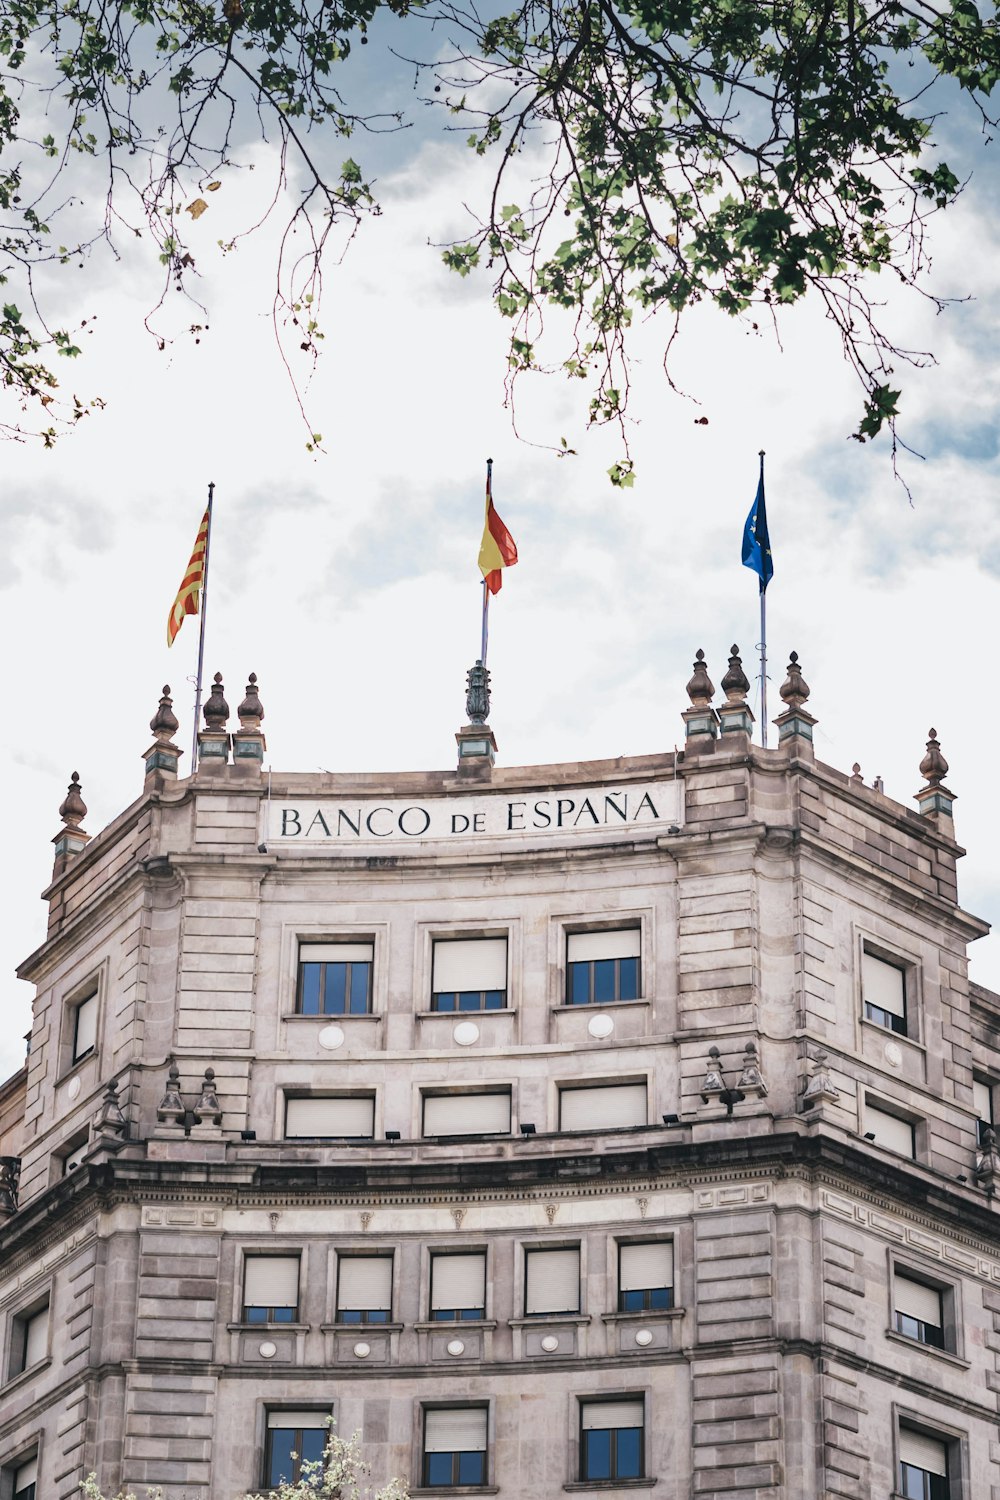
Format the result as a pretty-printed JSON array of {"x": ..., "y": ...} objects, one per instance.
[
  {"x": 763, "y": 641},
  {"x": 201, "y": 634},
  {"x": 486, "y": 591}
]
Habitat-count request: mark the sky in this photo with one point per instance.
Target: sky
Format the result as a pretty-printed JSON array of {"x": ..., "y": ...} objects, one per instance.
[{"x": 347, "y": 579}]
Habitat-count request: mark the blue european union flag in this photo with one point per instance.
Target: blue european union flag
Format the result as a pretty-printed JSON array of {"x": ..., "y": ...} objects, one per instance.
[{"x": 756, "y": 542}]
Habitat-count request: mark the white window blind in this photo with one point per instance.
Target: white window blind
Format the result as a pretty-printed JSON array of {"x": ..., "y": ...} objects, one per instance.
[
  {"x": 336, "y": 953},
  {"x": 918, "y": 1301},
  {"x": 75, "y": 1157},
  {"x": 926, "y": 1453},
  {"x": 598, "y": 1415},
  {"x": 352, "y": 1115},
  {"x": 85, "y": 1036},
  {"x": 365, "y": 1283},
  {"x": 271, "y": 1281},
  {"x": 457, "y": 1429},
  {"x": 466, "y": 1114},
  {"x": 25, "y": 1475},
  {"x": 469, "y": 964},
  {"x": 883, "y": 984},
  {"x": 982, "y": 1100},
  {"x": 602, "y": 1108},
  {"x": 289, "y": 1420},
  {"x": 36, "y": 1338},
  {"x": 644, "y": 1266},
  {"x": 585, "y": 947},
  {"x": 552, "y": 1281},
  {"x": 458, "y": 1281},
  {"x": 894, "y": 1134}
]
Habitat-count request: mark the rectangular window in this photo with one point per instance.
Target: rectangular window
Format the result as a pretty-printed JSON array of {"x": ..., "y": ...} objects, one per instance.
[
  {"x": 74, "y": 1156},
  {"x": 923, "y": 1466},
  {"x": 646, "y": 1277},
  {"x": 294, "y": 1438},
  {"x": 458, "y": 1287},
  {"x": 982, "y": 1099},
  {"x": 551, "y": 1282},
  {"x": 454, "y": 1446},
  {"x": 611, "y": 1440},
  {"x": 602, "y": 967},
  {"x": 883, "y": 986},
  {"x": 318, "y": 1117},
  {"x": 919, "y": 1311},
  {"x": 85, "y": 1026},
  {"x": 467, "y": 1114},
  {"x": 335, "y": 979},
  {"x": 29, "y": 1339},
  {"x": 469, "y": 974},
  {"x": 25, "y": 1479},
  {"x": 364, "y": 1289},
  {"x": 271, "y": 1289},
  {"x": 608, "y": 1107},
  {"x": 890, "y": 1131}
]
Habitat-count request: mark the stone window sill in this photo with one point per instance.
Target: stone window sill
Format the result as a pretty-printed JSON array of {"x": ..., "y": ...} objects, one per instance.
[
  {"x": 263, "y": 1328},
  {"x": 457, "y": 1489},
  {"x": 611, "y": 1484},
  {"x": 473, "y": 1325},
  {"x": 948, "y": 1355},
  {"x": 23, "y": 1376},
  {"x": 591, "y": 1008},
  {"x": 546, "y": 1320},
  {"x": 888, "y": 1035},
  {"x": 645, "y": 1315},
  {"x": 335, "y": 1018},
  {"x": 362, "y": 1330}
]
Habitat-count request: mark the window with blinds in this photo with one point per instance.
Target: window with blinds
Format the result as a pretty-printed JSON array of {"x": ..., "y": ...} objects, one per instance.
[
  {"x": 455, "y": 1446},
  {"x": 335, "y": 979},
  {"x": 270, "y": 1289},
  {"x": 29, "y": 1339},
  {"x": 293, "y": 1438},
  {"x": 646, "y": 1277},
  {"x": 364, "y": 1289},
  {"x": 85, "y": 1026},
  {"x": 607, "y": 1107},
  {"x": 602, "y": 967},
  {"x": 923, "y": 1466},
  {"x": 74, "y": 1156},
  {"x": 458, "y": 1287},
  {"x": 551, "y": 1281},
  {"x": 919, "y": 1310},
  {"x": 883, "y": 987},
  {"x": 25, "y": 1480},
  {"x": 329, "y": 1117},
  {"x": 467, "y": 1114},
  {"x": 890, "y": 1131},
  {"x": 612, "y": 1439},
  {"x": 469, "y": 974},
  {"x": 982, "y": 1100}
]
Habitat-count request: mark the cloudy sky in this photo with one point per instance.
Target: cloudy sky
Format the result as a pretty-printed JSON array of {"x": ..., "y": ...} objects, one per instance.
[{"x": 348, "y": 580}]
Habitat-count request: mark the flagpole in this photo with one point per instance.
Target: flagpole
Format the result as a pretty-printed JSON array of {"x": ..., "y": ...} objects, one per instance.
[
  {"x": 201, "y": 634},
  {"x": 763, "y": 642},
  {"x": 486, "y": 592}
]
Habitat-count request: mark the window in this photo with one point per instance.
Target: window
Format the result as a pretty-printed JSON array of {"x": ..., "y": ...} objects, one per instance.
[
  {"x": 335, "y": 979},
  {"x": 469, "y": 974},
  {"x": 454, "y": 1446},
  {"x": 551, "y": 1282},
  {"x": 25, "y": 1479},
  {"x": 75, "y": 1153},
  {"x": 602, "y": 967},
  {"x": 646, "y": 1277},
  {"x": 608, "y": 1107},
  {"x": 611, "y": 1439},
  {"x": 923, "y": 1466},
  {"x": 883, "y": 986},
  {"x": 320, "y": 1117},
  {"x": 29, "y": 1339},
  {"x": 982, "y": 1100},
  {"x": 918, "y": 1311},
  {"x": 890, "y": 1131},
  {"x": 364, "y": 1289},
  {"x": 467, "y": 1114},
  {"x": 458, "y": 1287},
  {"x": 84, "y": 1025},
  {"x": 293, "y": 1438},
  {"x": 270, "y": 1289}
]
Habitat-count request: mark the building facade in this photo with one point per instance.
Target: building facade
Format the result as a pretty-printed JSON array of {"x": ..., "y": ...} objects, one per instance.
[{"x": 611, "y": 1126}]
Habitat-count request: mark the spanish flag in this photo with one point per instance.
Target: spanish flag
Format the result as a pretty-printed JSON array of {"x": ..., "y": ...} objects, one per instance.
[
  {"x": 497, "y": 549},
  {"x": 189, "y": 593}
]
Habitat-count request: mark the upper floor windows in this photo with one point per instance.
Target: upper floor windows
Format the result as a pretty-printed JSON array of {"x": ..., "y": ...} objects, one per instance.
[
  {"x": 81, "y": 1017},
  {"x": 467, "y": 1114},
  {"x": 455, "y": 1446},
  {"x": 364, "y": 1289},
  {"x": 29, "y": 1339},
  {"x": 918, "y": 1311},
  {"x": 458, "y": 1287},
  {"x": 646, "y": 1276},
  {"x": 335, "y": 979},
  {"x": 551, "y": 1281},
  {"x": 469, "y": 974},
  {"x": 602, "y": 967},
  {"x": 982, "y": 1099},
  {"x": 25, "y": 1480},
  {"x": 329, "y": 1117},
  {"x": 271, "y": 1289},
  {"x": 883, "y": 989},
  {"x": 890, "y": 1131},
  {"x": 607, "y": 1107},
  {"x": 612, "y": 1439},
  {"x": 294, "y": 1438},
  {"x": 923, "y": 1466}
]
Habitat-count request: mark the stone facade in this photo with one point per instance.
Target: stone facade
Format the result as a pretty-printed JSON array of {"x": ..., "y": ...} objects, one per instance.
[{"x": 747, "y": 1123}]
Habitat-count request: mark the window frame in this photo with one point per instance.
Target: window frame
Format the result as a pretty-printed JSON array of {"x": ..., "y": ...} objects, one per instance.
[
  {"x": 366, "y": 1321},
  {"x": 483, "y": 1007},
  {"x": 485, "y": 1092},
  {"x": 888, "y": 1108},
  {"x": 19, "y": 1324},
  {"x": 466, "y": 1315},
  {"x": 541, "y": 1247},
  {"x": 908, "y": 966},
  {"x": 583, "y": 1464},
  {"x": 78, "y": 995},
  {"x": 253, "y": 1254},
  {"x": 570, "y": 966},
  {"x": 950, "y": 1296},
  {"x": 954, "y": 1441},
  {"x": 356, "y": 940},
  {"x": 12, "y": 1466},
  {"x": 592, "y": 1086},
  {"x": 989, "y": 1084},
  {"x": 648, "y": 1307},
  {"x": 267, "y": 1454},
  {"x": 455, "y": 1482},
  {"x": 291, "y": 1094}
]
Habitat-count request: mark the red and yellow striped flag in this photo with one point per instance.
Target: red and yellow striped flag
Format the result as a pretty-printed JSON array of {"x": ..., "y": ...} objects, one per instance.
[
  {"x": 189, "y": 593},
  {"x": 497, "y": 549}
]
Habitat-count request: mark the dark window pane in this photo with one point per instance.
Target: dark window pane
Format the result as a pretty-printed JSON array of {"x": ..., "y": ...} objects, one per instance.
[
  {"x": 377, "y": 1315},
  {"x": 470, "y": 1314},
  {"x": 360, "y": 986},
  {"x": 632, "y": 1301},
  {"x": 443, "y": 1002},
  {"x": 628, "y": 1453},
  {"x": 470, "y": 1000},
  {"x": 349, "y": 1315},
  {"x": 255, "y": 1315},
  {"x": 579, "y": 984},
  {"x": 438, "y": 1469},
  {"x": 334, "y": 989},
  {"x": 661, "y": 1297},
  {"x": 443, "y": 1314},
  {"x": 309, "y": 1001},
  {"x": 471, "y": 1468},
  {"x": 312, "y": 1445},
  {"x": 26, "y": 1494},
  {"x": 283, "y": 1314},
  {"x": 597, "y": 1454},
  {"x": 604, "y": 981},
  {"x": 628, "y": 969},
  {"x": 281, "y": 1464},
  {"x": 495, "y": 999}
]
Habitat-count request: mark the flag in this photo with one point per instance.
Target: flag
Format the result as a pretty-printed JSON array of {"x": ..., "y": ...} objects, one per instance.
[
  {"x": 497, "y": 549},
  {"x": 756, "y": 542},
  {"x": 189, "y": 593}
]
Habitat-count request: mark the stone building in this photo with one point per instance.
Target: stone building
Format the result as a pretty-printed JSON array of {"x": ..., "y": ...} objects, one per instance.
[{"x": 616, "y": 1126}]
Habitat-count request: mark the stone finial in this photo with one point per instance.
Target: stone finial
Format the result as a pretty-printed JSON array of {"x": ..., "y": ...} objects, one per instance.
[
  {"x": 251, "y": 710},
  {"x": 933, "y": 767},
  {"x": 208, "y": 1110},
  {"x": 735, "y": 684},
  {"x": 751, "y": 1080},
  {"x": 794, "y": 690},
  {"x": 10, "y": 1172},
  {"x": 700, "y": 689},
  {"x": 73, "y": 809},
  {"x": 987, "y": 1170},
  {"x": 714, "y": 1083},
  {"x": 248, "y": 741},
  {"x": 171, "y": 1110},
  {"x": 111, "y": 1122},
  {"x": 216, "y": 710},
  {"x": 477, "y": 697},
  {"x": 821, "y": 1088},
  {"x": 164, "y": 722}
]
